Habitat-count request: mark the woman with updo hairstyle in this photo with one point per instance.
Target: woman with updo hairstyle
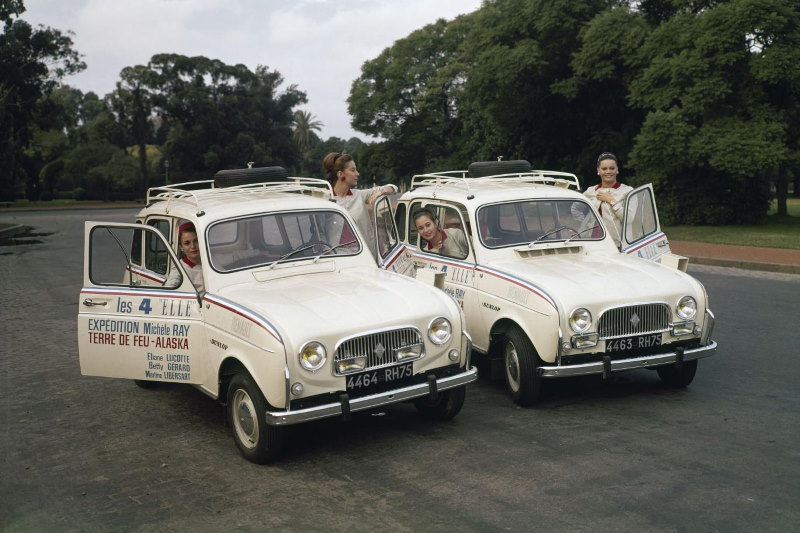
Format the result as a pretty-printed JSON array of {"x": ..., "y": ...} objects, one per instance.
[
  {"x": 190, "y": 257},
  {"x": 340, "y": 170},
  {"x": 451, "y": 242},
  {"x": 608, "y": 196}
]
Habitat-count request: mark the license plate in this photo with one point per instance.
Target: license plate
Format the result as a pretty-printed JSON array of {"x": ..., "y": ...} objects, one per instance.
[
  {"x": 633, "y": 343},
  {"x": 365, "y": 380}
]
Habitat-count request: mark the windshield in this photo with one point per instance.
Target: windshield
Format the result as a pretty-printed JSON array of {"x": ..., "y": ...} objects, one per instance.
[
  {"x": 279, "y": 237},
  {"x": 531, "y": 221}
]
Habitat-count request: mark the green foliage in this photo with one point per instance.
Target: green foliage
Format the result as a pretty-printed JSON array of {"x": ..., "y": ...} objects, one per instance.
[
  {"x": 31, "y": 63},
  {"x": 714, "y": 130}
]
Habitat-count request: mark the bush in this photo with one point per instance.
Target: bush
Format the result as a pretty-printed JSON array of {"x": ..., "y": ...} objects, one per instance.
[
  {"x": 46, "y": 196},
  {"x": 79, "y": 193}
]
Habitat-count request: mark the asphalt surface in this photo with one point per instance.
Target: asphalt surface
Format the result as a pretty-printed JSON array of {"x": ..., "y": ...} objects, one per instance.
[{"x": 81, "y": 453}]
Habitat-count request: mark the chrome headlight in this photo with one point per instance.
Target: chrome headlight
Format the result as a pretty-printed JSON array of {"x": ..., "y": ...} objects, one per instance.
[
  {"x": 312, "y": 356},
  {"x": 580, "y": 320},
  {"x": 687, "y": 308},
  {"x": 440, "y": 331}
]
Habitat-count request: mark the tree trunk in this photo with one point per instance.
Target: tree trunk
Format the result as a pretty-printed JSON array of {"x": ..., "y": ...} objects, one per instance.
[{"x": 781, "y": 192}]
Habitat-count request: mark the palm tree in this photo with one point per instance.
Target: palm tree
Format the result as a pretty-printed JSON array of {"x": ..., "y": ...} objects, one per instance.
[{"x": 304, "y": 126}]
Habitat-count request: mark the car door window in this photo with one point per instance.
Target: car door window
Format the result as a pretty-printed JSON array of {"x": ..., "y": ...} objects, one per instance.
[{"x": 641, "y": 219}]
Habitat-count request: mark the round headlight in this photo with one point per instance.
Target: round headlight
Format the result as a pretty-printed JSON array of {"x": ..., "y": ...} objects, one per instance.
[
  {"x": 440, "y": 331},
  {"x": 687, "y": 308},
  {"x": 312, "y": 356},
  {"x": 580, "y": 320}
]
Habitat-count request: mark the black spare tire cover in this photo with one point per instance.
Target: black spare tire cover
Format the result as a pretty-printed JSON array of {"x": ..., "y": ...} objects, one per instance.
[
  {"x": 493, "y": 168},
  {"x": 244, "y": 176}
]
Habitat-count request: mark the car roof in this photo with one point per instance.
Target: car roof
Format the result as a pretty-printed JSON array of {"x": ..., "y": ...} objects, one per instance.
[
  {"x": 456, "y": 186},
  {"x": 210, "y": 203}
]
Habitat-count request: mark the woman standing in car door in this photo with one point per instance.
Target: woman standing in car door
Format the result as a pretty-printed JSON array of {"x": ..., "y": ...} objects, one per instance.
[
  {"x": 341, "y": 171},
  {"x": 608, "y": 197}
]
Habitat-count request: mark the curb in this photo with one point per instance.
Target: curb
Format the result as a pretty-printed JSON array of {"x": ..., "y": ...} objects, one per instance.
[{"x": 745, "y": 265}]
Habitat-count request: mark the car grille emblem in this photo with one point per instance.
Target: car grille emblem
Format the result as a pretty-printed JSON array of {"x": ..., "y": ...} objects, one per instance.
[
  {"x": 635, "y": 320},
  {"x": 379, "y": 350}
]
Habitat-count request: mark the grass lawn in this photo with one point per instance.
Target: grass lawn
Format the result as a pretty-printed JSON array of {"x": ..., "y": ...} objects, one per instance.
[{"x": 777, "y": 232}]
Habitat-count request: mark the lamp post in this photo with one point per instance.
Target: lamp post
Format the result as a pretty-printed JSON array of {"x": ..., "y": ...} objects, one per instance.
[{"x": 166, "y": 170}]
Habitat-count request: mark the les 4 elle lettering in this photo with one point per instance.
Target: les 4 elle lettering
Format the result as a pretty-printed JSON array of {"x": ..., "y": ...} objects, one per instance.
[{"x": 167, "y": 306}]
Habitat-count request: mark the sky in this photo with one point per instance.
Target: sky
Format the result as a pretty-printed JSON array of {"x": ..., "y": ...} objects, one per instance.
[{"x": 317, "y": 45}]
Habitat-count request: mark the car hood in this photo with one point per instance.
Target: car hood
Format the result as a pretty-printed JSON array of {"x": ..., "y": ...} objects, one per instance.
[
  {"x": 600, "y": 279},
  {"x": 342, "y": 303}
]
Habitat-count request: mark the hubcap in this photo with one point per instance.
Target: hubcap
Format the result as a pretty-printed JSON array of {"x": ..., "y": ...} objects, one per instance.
[
  {"x": 244, "y": 422},
  {"x": 512, "y": 366}
]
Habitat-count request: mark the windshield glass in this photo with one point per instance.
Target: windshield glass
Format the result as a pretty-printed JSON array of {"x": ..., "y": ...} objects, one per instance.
[
  {"x": 279, "y": 237},
  {"x": 530, "y": 221}
]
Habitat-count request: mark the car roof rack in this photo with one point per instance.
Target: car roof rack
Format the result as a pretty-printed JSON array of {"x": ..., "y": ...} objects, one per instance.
[
  {"x": 565, "y": 180},
  {"x": 194, "y": 192}
]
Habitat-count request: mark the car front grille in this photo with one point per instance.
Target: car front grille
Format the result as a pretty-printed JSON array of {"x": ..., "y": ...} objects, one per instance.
[
  {"x": 637, "y": 319},
  {"x": 379, "y": 348}
]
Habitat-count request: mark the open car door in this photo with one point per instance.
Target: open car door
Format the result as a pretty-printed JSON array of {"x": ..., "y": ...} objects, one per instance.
[
  {"x": 391, "y": 253},
  {"x": 641, "y": 231},
  {"x": 132, "y": 322}
]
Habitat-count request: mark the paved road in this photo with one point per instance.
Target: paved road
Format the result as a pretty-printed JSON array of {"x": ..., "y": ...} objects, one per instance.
[{"x": 94, "y": 454}]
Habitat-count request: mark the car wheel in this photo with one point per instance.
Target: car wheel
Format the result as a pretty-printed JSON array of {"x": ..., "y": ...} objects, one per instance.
[
  {"x": 678, "y": 377},
  {"x": 258, "y": 442},
  {"x": 145, "y": 384},
  {"x": 480, "y": 169},
  {"x": 520, "y": 362},
  {"x": 446, "y": 407},
  {"x": 244, "y": 176}
]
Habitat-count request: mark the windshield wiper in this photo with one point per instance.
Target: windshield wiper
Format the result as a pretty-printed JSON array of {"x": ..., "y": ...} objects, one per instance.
[
  {"x": 290, "y": 254},
  {"x": 555, "y": 230},
  {"x": 578, "y": 233},
  {"x": 332, "y": 248}
]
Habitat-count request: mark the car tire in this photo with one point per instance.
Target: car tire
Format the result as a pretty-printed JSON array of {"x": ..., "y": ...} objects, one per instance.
[
  {"x": 245, "y": 176},
  {"x": 678, "y": 377},
  {"x": 520, "y": 362},
  {"x": 480, "y": 169},
  {"x": 145, "y": 384},
  {"x": 446, "y": 407},
  {"x": 258, "y": 442}
]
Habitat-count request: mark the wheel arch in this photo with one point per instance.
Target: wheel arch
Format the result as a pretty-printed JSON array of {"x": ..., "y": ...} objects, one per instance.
[{"x": 545, "y": 345}]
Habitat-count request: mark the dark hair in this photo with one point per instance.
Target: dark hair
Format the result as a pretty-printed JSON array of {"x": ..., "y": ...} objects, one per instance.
[
  {"x": 423, "y": 212},
  {"x": 183, "y": 228},
  {"x": 333, "y": 163},
  {"x": 606, "y": 155}
]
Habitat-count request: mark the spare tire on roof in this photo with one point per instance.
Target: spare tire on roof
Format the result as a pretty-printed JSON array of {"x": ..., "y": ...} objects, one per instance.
[
  {"x": 244, "y": 176},
  {"x": 492, "y": 168}
]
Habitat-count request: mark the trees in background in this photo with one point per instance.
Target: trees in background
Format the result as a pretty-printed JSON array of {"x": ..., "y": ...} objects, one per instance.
[
  {"x": 305, "y": 126},
  {"x": 699, "y": 97},
  {"x": 32, "y": 60}
]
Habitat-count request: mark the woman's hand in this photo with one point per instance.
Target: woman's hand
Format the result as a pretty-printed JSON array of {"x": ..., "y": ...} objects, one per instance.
[{"x": 606, "y": 197}]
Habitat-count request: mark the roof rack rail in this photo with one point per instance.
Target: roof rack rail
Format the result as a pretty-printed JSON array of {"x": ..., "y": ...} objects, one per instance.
[
  {"x": 461, "y": 177},
  {"x": 187, "y": 192}
]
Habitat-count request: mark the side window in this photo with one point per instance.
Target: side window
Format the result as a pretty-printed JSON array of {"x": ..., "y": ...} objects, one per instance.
[
  {"x": 110, "y": 262},
  {"x": 400, "y": 220},
  {"x": 412, "y": 229},
  {"x": 155, "y": 253},
  {"x": 385, "y": 227},
  {"x": 641, "y": 216},
  {"x": 442, "y": 231}
]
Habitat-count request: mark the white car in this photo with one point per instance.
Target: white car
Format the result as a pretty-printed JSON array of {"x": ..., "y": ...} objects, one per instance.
[
  {"x": 295, "y": 322},
  {"x": 545, "y": 290}
]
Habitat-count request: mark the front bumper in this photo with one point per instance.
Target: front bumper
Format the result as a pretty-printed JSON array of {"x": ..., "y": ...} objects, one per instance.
[
  {"x": 345, "y": 405},
  {"x": 646, "y": 361}
]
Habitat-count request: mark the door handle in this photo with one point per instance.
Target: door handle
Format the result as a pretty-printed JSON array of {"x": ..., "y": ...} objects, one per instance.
[
  {"x": 88, "y": 302},
  {"x": 420, "y": 264},
  {"x": 662, "y": 244}
]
